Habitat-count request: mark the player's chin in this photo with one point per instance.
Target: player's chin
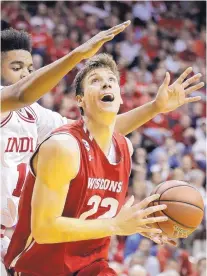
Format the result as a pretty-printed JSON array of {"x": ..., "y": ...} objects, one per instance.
[{"x": 109, "y": 107}]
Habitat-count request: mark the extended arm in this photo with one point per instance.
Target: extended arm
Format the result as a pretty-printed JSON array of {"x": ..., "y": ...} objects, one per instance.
[
  {"x": 133, "y": 119},
  {"x": 34, "y": 86},
  {"x": 168, "y": 99},
  {"x": 50, "y": 191}
]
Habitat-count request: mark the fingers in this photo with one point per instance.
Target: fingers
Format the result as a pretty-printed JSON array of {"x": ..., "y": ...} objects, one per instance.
[
  {"x": 191, "y": 80},
  {"x": 154, "y": 219},
  {"x": 149, "y": 230},
  {"x": 148, "y": 211},
  {"x": 166, "y": 81},
  {"x": 172, "y": 242},
  {"x": 122, "y": 25},
  {"x": 184, "y": 75},
  {"x": 192, "y": 99},
  {"x": 109, "y": 34},
  {"x": 194, "y": 88},
  {"x": 129, "y": 202},
  {"x": 144, "y": 203},
  {"x": 108, "y": 38}
]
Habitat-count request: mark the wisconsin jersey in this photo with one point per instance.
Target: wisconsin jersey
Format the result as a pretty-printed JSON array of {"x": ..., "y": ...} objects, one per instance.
[
  {"x": 21, "y": 131},
  {"x": 98, "y": 191}
]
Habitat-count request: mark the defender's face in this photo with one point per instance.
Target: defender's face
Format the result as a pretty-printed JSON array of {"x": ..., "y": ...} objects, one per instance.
[
  {"x": 15, "y": 65},
  {"x": 101, "y": 92}
]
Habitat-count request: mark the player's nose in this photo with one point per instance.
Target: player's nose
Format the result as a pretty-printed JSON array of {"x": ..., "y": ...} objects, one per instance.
[
  {"x": 106, "y": 85},
  {"x": 25, "y": 73}
]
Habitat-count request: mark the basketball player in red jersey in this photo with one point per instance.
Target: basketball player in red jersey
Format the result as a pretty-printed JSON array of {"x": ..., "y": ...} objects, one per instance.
[
  {"x": 74, "y": 196},
  {"x": 73, "y": 199}
]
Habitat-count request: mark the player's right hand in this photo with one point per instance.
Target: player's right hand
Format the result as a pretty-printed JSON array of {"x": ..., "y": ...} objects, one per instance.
[
  {"x": 92, "y": 46},
  {"x": 134, "y": 218}
]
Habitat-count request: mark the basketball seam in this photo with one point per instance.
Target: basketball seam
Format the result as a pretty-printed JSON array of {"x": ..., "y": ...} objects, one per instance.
[
  {"x": 156, "y": 191},
  {"x": 177, "y": 186},
  {"x": 168, "y": 215},
  {"x": 180, "y": 202},
  {"x": 178, "y": 221}
]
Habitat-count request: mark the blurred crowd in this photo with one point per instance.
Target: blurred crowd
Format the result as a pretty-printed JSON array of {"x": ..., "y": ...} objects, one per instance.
[{"x": 164, "y": 36}]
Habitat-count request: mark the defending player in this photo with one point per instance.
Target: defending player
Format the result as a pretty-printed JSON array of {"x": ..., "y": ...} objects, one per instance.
[{"x": 68, "y": 207}]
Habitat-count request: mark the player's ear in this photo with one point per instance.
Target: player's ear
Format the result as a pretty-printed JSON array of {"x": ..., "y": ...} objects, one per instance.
[{"x": 80, "y": 100}]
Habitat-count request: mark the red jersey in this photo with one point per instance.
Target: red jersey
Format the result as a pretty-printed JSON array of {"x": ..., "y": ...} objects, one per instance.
[{"x": 98, "y": 191}]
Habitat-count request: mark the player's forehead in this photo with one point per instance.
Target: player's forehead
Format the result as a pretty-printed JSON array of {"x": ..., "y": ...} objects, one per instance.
[
  {"x": 101, "y": 72},
  {"x": 21, "y": 57}
]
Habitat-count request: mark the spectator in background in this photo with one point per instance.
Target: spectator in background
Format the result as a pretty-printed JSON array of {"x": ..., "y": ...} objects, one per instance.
[
  {"x": 140, "y": 187},
  {"x": 172, "y": 268},
  {"x": 177, "y": 174},
  {"x": 143, "y": 257},
  {"x": 201, "y": 265},
  {"x": 161, "y": 165},
  {"x": 167, "y": 252},
  {"x": 137, "y": 270},
  {"x": 196, "y": 178},
  {"x": 42, "y": 16},
  {"x": 37, "y": 61},
  {"x": 180, "y": 126},
  {"x": 199, "y": 148},
  {"x": 41, "y": 40},
  {"x": 186, "y": 165}
]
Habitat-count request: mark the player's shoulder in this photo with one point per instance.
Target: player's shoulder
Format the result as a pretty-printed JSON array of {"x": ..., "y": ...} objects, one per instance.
[
  {"x": 61, "y": 144},
  {"x": 129, "y": 144},
  {"x": 60, "y": 151}
]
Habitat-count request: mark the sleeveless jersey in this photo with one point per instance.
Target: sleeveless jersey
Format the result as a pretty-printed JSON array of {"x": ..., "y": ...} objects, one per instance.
[
  {"x": 21, "y": 131},
  {"x": 98, "y": 191}
]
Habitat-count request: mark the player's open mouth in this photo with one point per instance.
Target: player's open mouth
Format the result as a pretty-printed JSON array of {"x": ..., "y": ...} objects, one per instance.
[{"x": 107, "y": 98}]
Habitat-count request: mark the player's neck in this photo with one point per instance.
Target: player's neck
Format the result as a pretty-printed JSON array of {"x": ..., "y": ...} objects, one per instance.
[{"x": 101, "y": 132}]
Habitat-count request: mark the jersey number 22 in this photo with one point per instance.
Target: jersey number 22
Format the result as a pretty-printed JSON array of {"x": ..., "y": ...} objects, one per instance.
[{"x": 106, "y": 202}]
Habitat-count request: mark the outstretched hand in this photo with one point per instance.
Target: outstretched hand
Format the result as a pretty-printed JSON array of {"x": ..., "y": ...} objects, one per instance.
[
  {"x": 137, "y": 218},
  {"x": 92, "y": 46},
  {"x": 160, "y": 238},
  {"x": 170, "y": 97}
]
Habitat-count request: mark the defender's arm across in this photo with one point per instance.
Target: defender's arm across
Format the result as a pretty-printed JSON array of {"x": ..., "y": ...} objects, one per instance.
[{"x": 31, "y": 88}]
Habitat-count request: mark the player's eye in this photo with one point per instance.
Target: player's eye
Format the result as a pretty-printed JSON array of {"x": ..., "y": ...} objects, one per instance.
[
  {"x": 31, "y": 70},
  {"x": 16, "y": 68},
  {"x": 95, "y": 80},
  {"x": 112, "y": 79}
]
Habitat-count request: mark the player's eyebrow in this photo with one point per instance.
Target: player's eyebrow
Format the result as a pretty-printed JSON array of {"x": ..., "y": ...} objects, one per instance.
[
  {"x": 19, "y": 63},
  {"x": 93, "y": 74}
]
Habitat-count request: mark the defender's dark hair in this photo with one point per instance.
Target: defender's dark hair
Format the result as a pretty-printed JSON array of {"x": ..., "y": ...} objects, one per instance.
[
  {"x": 98, "y": 61},
  {"x": 12, "y": 39}
]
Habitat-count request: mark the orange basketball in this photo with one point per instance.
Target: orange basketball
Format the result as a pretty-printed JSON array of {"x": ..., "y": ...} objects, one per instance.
[{"x": 185, "y": 208}]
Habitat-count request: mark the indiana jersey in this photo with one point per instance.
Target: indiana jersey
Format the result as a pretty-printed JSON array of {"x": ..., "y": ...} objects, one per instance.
[
  {"x": 21, "y": 131},
  {"x": 98, "y": 191}
]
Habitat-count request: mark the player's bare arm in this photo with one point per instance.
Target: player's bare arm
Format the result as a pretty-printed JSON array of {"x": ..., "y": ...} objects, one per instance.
[
  {"x": 31, "y": 88},
  {"x": 48, "y": 224},
  {"x": 169, "y": 97}
]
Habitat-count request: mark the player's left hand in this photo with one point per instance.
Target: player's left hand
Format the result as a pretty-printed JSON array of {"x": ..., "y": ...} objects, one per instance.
[
  {"x": 160, "y": 239},
  {"x": 170, "y": 97}
]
